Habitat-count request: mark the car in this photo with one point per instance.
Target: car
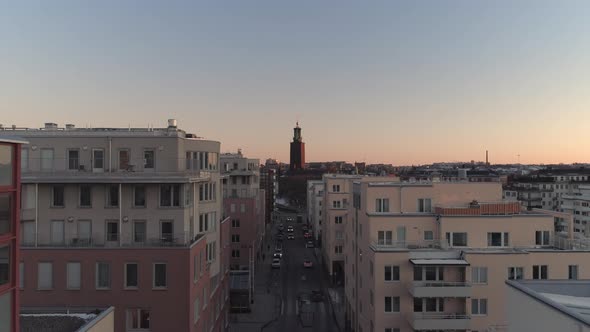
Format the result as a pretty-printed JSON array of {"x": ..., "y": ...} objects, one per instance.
[
  {"x": 276, "y": 263},
  {"x": 309, "y": 244},
  {"x": 279, "y": 249},
  {"x": 290, "y": 219},
  {"x": 306, "y": 235},
  {"x": 277, "y": 255},
  {"x": 290, "y": 229},
  {"x": 307, "y": 263},
  {"x": 290, "y": 237}
]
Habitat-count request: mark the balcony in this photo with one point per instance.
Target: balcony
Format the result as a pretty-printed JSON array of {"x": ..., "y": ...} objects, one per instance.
[
  {"x": 385, "y": 245},
  {"x": 137, "y": 240},
  {"x": 440, "y": 289},
  {"x": 439, "y": 321}
]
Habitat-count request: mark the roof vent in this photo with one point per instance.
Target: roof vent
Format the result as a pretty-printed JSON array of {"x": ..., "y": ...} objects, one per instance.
[
  {"x": 50, "y": 125},
  {"x": 172, "y": 124},
  {"x": 70, "y": 126}
]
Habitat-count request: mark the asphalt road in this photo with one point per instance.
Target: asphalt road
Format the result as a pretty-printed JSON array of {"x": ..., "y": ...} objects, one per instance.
[{"x": 295, "y": 280}]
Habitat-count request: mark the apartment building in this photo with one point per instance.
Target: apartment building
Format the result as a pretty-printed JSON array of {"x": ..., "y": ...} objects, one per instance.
[
  {"x": 427, "y": 256},
  {"x": 10, "y": 156},
  {"x": 117, "y": 217},
  {"x": 578, "y": 205},
  {"x": 270, "y": 184},
  {"x": 335, "y": 202},
  {"x": 244, "y": 205},
  {"x": 315, "y": 198}
]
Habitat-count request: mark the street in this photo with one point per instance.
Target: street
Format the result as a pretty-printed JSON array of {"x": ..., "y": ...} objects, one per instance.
[{"x": 293, "y": 282}]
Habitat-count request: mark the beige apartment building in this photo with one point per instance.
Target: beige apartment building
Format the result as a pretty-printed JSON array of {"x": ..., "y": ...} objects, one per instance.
[
  {"x": 434, "y": 256},
  {"x": 315, "y": 199}
]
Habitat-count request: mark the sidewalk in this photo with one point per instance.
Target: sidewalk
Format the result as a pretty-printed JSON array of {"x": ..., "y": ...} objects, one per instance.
[
  {"x": 335, "y": 296},
  {"x": 267, "y": 301}
]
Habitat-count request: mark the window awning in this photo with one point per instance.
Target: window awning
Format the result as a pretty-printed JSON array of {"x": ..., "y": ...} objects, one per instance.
[{"x": 455, "y": 262}]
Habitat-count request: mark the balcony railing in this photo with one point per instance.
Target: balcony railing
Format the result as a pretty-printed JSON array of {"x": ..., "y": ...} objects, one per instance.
[
  {"x": 111, "y": 240},
  {"x": 440, "y": 315},
  {"x": 439, "y": 321},
  {"x": 454, "y": 289},
  {"x": 392, "y": 245},
  {"x": 441, "y": 284}
]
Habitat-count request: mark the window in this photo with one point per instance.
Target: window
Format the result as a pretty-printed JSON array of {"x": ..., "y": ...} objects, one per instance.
[
  {"x": 338, "y": 249},
  {"x": 57, "y": 232},
  {"x": 148, "y": 159},
  {"x": 188, "y": 195},
  {"x": 113, "y": 195},
  {"x": 457, "y": 239},
  {"x": 167, "y": 231},
  {"x": 112, "y": 231},
  {"x": 432, "y": 304},
  {"x": 515, "y": 273},
  {"x": 5, "y": 262},
  {"x": 572, "y": 272},
  {"x": 428, "y": 235},
  {"x": 45, "y": 276},
  {"x": 391, "y": 273},
  {"x": 338, "y": 220},
  {"x": 73, "y": 271},
  {"x": 235, "y": 253},
  {"x": 242, "y": 208},
  {"x": 139, "y": 196},
  {"x": 124, "y": 159},
  {"x": 138, "y": 319},
  {"x": 336, "y": 188},
  {"x": 85, "y": 195},
  {"x": 542, "y": 238},
  {"x": 424, "y": 205},
  {"x": 479, "y": 306},
  {"x": 235, "y": 223},
  {"x": 170, "y": 195},
  {"x": 74, "y": 159},
  {"x": 57, "y": 197},
  {"x": 103, "y": 275},
  {"x": 385, "y": 237},
  {"x": 235, "y": 238},
  {"x": 232, "y": 208},
  {"x": 21, "y": 275},
  {"x": 497, "y": 239},
  {"x": 24, "y": 160},
  {"x": 428, "y": 273},
  {"x": 159, "y": 275},
  {"x": 46, "y": 159},
  {"x": 339, "y": 235},
  {"x": 479, "y": 275},
  {"x": 196, "y": 310},
  {"x": 336, "y": 204},
  {"x": 139, "y": 231},
  {"x": 131, "y": 275},
  {"x": 382, "y": 205},
  {"x": 540, "y": 272},
  {"x": 392, "y": 304}
]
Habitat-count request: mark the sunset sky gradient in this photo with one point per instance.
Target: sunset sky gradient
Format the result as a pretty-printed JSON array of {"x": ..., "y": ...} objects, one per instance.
[{"x": 402, "y": 82}]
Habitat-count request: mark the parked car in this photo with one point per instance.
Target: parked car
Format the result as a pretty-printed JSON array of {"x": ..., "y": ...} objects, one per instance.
[
  {"x": 306, "y": 235},
  {"x": 309, "y": 244},
  {"x": 276, "y": 263},
  {"x": 277, "y": 255},
  {"x": 307, "y": 263},
  {"x": 290, "y": 237},
  {"x": 290, "y": 229}
]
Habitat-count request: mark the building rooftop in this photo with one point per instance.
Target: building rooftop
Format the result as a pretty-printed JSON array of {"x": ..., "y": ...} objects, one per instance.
[
  {"x": 49, "y": 319},
  {"x": 571, "y": 297},
  {"x": 13, "y": 139}
]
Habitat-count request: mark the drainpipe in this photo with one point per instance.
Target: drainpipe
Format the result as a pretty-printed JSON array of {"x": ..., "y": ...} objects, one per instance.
[
  {"x": 401, "y": 201},
  {"x": 120, "y": 213},
  {"x": 111, "y": 162},
  {"x": 36, "y": 213}
]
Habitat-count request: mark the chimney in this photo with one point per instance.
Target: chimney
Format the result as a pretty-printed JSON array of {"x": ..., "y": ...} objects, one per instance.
[
  {"x": 172, "y": 124},
  {"x": 487, "y": 163}
]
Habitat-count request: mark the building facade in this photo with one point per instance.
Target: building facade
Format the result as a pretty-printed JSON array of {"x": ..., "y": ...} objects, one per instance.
[
  {"x": 10, "y": 168},
  {"x": 435, "y": 255},
  {"x": 578, "y": 205},
  {"x": 315, "y": 199},
  {"x": 270, "y": 184},
  {"x": 297, "y": 161},
  {"x": 128, "y": 217}
]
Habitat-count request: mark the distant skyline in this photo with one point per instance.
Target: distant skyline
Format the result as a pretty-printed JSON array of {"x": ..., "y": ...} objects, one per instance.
[{"x": 400, "y": 82}]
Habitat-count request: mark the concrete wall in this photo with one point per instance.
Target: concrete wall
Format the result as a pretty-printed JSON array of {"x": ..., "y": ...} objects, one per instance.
[{"x": 103, "y": 323}]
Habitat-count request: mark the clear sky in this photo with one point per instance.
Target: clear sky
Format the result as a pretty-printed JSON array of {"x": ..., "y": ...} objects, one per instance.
[{"x": 402, "y": 82}]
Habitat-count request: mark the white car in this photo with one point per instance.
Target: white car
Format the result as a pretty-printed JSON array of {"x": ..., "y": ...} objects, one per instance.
[{"x": 276, "y": 263}]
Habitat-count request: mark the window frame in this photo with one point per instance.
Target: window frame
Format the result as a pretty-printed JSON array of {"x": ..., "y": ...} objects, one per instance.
[
  {"x": 154, "y": 286},
  {"x": 68, "y": 287},
  {"x": 126, "y": 286},
  {"x": 97, "y": 275},
  {"x": 393, "y": 273}
]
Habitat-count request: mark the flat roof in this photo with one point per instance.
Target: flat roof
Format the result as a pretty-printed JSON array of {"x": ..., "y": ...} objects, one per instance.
[
  {"x": 454, "y": 262},
  {"x": 13, "y": 139},
  {"x": 54, "y": 319},
  {"x": 570, "y": 297}
]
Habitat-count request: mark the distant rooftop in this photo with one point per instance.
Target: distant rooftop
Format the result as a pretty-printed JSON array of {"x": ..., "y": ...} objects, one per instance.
[
  {"x": 50, "y": 319},
  {"x": 571, "y": 297}
]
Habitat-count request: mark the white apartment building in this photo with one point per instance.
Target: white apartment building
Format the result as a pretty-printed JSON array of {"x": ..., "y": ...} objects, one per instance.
[
  {"x": 578, "y": 205},
  {"x": 434, "y": 256},
  {"x": 315, "y": 195}
]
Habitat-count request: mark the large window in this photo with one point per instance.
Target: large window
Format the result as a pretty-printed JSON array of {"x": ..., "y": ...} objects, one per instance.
[
  {"x": 167, "y": 231},
  {"x": 73, "y": 159},
  {"x": 57, "y": 232},
  {"x": 112, "y": 231},
  {"x": 160, "y": 275},
  {"x": 479, "y": 275},
  {"x": 45, "y": 276},
  {"x": 5, "y": 213},
  {"x": 138, "y": 319},
  {"x": 336, "y": 188},
  {"x": 46, "y": 159},
  {"x": 4, "y": 265},
  {"x": 428, "y": 273},
  {"x": 148, "y": 159},
  {"x": 479, "y": 306},
  {"x": 24, "y": 159},
  {"x": 572, "y": 272},
  {"x": 392, "y": 304},
  {"x": 124, "y": 159},
  {"x": 139, "y": 231},
  {"x": 103, "y": 275},
  {"x": 73, "y": 275},
  {"x": 85, "y": 195},
  {"x": 113, "y": 195},
  {"x": 424, "y": 205},
  {"x": 6, "y": 162},
  {"x": 235, "y": 223},
  {"x": 131, "y": 275},
  {"x": 542, "y": 238},
  {"x": 139, "y": 196},
  {"x": 385, "y": 237},
  {"x": 170, "y": 195},
  {"x": 430, "y": 304},
  {"x": 338, "y": 220},
  {"x": 540, "y": 272},
  {"x": 382, "y": 205},
  {"x": 457, "y": 239},
  {"x": 391, "y": 273},
  {"x": 515, "y": 272},
  {"x": 235, "y": 238},
  {"x": 498, "y": 239},
  {"x": 57, "y": 197}
]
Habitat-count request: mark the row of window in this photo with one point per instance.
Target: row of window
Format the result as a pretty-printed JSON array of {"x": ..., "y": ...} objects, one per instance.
[
  {"x": 232, "y": 208},
  {"x": 202, "y": 160},
  {"x": 170, "y": 195},
  {"x": 436, "y": 304}
]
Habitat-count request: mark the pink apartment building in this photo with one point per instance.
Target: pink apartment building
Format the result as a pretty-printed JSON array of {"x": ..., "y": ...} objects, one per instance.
[
  {"x": 124, "y": 217},
  {"x": 434, "y": 256}
]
